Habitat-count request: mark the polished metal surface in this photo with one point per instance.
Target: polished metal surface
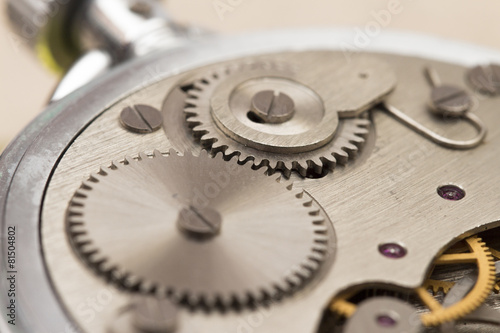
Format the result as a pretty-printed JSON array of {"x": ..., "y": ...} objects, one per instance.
[
  {"x": 391, "y": 180},
  {"x": 137, "y": 204},
  {"x": 272, "y": 106},
  {"x": 128, "y": 29},
  {"x": 485, "y": 78},
  {"x": 84, "y": 70},
  {"x": 141, "y": 118},
  {"x": 384, "y": 315}
]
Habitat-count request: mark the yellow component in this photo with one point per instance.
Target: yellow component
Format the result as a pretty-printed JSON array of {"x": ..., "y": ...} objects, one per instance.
[
  {"x": 46, "y": 57},
  {"x": 478, "y": 254},
  {"x": 437, "y": 285},
  {"x": 481, "y": 256},
  {"x": 342, "y": 306}
]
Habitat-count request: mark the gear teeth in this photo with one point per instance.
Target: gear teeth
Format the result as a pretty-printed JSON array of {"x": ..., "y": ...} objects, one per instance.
[
  {"x": 310, "y": 164},
  {"x": 341, "y": 156},
  {"x": 285, "y": 285}
]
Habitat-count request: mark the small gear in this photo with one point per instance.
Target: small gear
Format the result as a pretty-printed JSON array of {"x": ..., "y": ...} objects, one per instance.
[
  {"x": 477, "y": 254},
  {"x": 202, "y": 231},
  {"x": 225, "y": 111}
]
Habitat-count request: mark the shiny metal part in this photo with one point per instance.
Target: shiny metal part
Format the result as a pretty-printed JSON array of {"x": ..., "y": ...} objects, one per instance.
[
  {"x": 272, "y": 107},
  {"x": 199, "y": 222},
  {"x": 447, "y": 100},
  {"x": 146, "y": 314},
  {"x": 141, "y": 118},
  {"x": 394, "y": 182},
  {"x": 471, "y": 118},
  {"x": 151, "y": 315},
  {"x": 128, "y": 29},
  {"x": 485, "y": 79},
  {"x": 61, "y": 31},
  {"x": 384, "y": 315},
  {"x": 483, "y": 314},
  {"x": 312, "y": 141},
  {"x": 271, "y": 243},
  {"x": 87, "y": 68}
]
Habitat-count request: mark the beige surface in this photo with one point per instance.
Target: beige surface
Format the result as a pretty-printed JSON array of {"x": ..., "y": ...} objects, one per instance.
[{"x": 25, "y": 86}]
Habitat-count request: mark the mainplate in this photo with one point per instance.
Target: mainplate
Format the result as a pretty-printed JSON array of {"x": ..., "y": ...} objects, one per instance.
[{"x": 385, "y": 194}]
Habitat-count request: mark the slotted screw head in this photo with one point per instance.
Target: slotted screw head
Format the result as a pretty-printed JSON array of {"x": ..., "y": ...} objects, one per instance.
[
  {"x": 272, "y": 107},
  {"x": 141, "y": 118},
  {"x": 199, "y": 222},
  {"x": 450, "y": 101},
  {"x": 485, "y": 79}
]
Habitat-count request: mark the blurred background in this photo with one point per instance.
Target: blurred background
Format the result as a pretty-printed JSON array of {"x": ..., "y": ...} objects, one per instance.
[{"x": 25, "y": 85}]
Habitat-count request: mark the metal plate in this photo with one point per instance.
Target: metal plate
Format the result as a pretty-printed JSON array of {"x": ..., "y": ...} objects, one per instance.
[{"x": 28, "y": 163}]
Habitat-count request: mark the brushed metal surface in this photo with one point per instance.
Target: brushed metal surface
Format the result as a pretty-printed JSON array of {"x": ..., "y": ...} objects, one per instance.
[
  {"x": 28, "y": 162},
  {"x": 394, "y": 183}
]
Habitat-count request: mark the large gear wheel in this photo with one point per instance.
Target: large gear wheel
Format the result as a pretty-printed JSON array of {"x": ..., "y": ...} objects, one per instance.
[
  {"x": 479, "y": 254},
  {"x": 311, "y": 143},
  {"x": 476, "y": 252},
  {"x": 199, "y": 230}
]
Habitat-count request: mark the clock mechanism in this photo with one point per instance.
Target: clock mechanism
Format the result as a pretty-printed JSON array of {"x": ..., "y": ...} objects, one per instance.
[{"x": 286, "y": 192}]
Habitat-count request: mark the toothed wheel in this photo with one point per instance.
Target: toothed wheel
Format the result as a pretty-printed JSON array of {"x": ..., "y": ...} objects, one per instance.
[
  {"x": 200, "y": 230},
  {"x": 275, "y": 117},
  {"x": 476, "y": 252}
]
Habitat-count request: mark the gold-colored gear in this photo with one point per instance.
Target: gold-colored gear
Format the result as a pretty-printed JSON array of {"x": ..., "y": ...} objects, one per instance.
[
  {"x": 437, "y": 285},
  {"x": 481, "y": 256},
  {"x": 478, "y": 253}
]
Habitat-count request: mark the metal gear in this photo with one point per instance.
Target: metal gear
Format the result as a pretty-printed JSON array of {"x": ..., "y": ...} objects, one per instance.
[
  {"x": 311, "y": 143},
  {"x": 478, "y": 253},
  {"x": 202, "y": 231}
]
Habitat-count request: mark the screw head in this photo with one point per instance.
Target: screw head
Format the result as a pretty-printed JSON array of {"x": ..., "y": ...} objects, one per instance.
[
  {"x": 199, "y": 222},
  {"x": 450, "y": 101},
  {"x": 273, "y": 107},
  {"x": 141, "y": 118},
  {"x": 485, "y": 79},
  {"x": 451, "y": 192},
  {"x": 141, "y": 8},
  {"x": 392, "y": 250}
]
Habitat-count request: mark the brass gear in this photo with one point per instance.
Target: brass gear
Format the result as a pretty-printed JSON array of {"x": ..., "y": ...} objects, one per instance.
[
  {"x": 478, "y": 253},
  {"x": 481, "y": 256}
]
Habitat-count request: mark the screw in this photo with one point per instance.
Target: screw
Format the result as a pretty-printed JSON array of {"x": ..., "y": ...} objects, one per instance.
[
  {"x": 141, "y": 8},
  {"x": 199, "y": 222},
  {"x": 272, "y": 107},
  {"x": 153, "y": 315},
  {"x": 447, "y": 100},
  {"x": 141, "y": 119},
  {"x": 392, "y": 250},
  {"x": 485, "y": 79},
  {"x": 451, "y": 192}
]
